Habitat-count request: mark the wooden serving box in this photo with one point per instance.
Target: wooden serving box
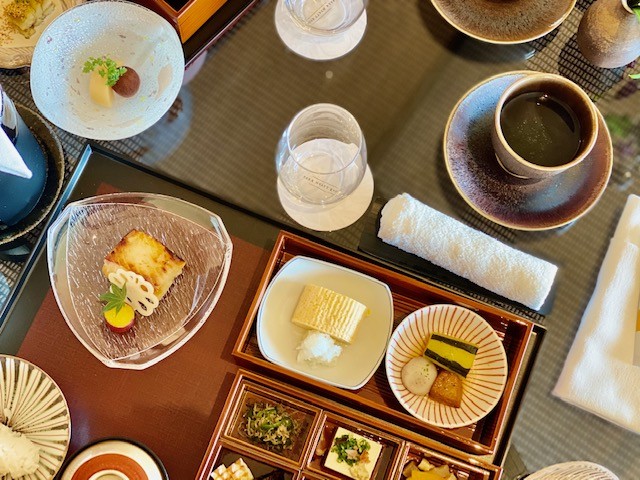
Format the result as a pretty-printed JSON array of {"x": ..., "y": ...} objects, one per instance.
[
  {"x": 376, "y": 397},
  {"x": 319, "y": 418},
  {"x": 187, "y": 16}
]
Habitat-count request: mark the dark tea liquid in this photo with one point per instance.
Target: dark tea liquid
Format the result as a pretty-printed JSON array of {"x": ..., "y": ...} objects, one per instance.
[{"x": 541, "y": 129}]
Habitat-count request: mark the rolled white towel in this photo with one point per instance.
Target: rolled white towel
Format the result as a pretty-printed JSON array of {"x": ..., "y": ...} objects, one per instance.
[{"x": 418, "y": 229}]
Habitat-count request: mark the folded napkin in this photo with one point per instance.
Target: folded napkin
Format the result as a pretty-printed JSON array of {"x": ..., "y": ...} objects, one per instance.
[
  {"x": 418, "y": 229},
  {"x": 10, "y": 160},
  {"x": 598, "y": 374}
]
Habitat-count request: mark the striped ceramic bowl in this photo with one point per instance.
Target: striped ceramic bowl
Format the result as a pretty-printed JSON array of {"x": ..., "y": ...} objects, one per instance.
[
  {"x": 485, "y": 382},
  {"x": 31, "y": 403}
]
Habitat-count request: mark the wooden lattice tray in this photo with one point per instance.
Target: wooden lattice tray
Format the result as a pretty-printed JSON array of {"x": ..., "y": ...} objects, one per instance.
[
  {"x": 375, "y": 397},
  {"x": 319, "y": 418}
]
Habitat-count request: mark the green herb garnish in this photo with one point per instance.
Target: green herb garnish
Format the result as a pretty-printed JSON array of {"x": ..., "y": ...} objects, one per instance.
[
  {"x": 635, "y": 76},
  {"x": 635, "y": 6},
  {"x": 270, "y": 425},
  {"x": 109, "y": 69},
  {"x": 115, "y": 298},
  {"x": 350, "y": 450}
]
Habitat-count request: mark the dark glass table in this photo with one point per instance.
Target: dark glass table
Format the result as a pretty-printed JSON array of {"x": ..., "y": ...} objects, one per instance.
[{"x": 400, "y": 83}]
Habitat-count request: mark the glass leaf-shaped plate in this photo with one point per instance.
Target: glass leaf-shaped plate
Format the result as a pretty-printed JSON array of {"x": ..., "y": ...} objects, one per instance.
[{"x": 88, "y": 230}]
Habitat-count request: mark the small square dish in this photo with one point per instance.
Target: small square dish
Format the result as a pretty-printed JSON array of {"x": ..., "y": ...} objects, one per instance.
[
  {"x": 274, "y": 423},
  {"x": 349, "y": 450},
  {"x": 279, "y": 338}
]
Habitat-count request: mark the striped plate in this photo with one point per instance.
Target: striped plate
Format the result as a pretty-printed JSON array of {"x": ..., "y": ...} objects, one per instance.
[
  {"x": 484, "y": 383},
  {"x": 31, "y": 403}
]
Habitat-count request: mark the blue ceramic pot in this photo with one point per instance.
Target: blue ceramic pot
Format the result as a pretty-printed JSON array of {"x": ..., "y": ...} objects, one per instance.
[{"x": 18, "y": 196}]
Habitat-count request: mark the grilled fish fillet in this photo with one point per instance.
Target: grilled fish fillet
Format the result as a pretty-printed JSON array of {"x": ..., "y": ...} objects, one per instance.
[{"x": 140, "y": 253}]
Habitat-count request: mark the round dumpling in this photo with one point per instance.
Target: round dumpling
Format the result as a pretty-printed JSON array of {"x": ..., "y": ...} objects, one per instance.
[{"x": 418, "y": 375}]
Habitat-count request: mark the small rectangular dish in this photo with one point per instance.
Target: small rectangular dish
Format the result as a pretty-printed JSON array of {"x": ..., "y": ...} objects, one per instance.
[
  {"x": 375, "y": 397},
  {"x": 376, "y": 449}
]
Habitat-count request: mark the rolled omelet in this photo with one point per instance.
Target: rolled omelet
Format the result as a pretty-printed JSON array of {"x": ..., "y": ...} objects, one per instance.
[{"x": 329, "y": 312}]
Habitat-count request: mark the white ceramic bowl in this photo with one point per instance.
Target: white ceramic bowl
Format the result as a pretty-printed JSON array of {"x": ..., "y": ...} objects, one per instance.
[
  {"x": 126, "y": 32},
  {"x": 278, "y": 338},
  {"x": 87, "y": 230},
  {"x": 483, "y": 386}
]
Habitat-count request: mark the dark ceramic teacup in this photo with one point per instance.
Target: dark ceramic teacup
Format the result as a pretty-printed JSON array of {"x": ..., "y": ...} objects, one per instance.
[
  {"x": 543, "y": 125},
  {"x": 18, "y": 196}
]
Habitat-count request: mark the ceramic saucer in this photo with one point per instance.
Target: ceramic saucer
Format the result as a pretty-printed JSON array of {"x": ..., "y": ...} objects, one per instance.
[
  {"x": 315, "y": 47},
  {"x": 328, "y": 218},
  {"x": 522, "y": 204},
  {"x": 114, "y": 459},
  {"x": 513, "y": 21}
]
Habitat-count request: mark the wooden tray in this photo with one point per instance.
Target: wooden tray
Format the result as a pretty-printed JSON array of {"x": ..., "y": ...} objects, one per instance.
[
  {"x": 187, "y": 16},
  {"x": 376, "y": 397},
  {"x": 320, "y": 417}
]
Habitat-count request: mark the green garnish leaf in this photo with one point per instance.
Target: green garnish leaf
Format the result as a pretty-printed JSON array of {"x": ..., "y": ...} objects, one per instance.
[
  {"x": 351, "y": 450},
  {"x": 115, "y": 298},
  {"x": 635, "y": 76},
  {"x": 108, "y": 69}
]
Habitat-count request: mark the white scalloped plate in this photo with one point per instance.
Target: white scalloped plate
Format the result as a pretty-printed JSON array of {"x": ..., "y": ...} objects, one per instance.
[
  {"x": 31, "y": 403},
  {"x": 16, "y": 51},
  {"x": 485, "y": 382}
]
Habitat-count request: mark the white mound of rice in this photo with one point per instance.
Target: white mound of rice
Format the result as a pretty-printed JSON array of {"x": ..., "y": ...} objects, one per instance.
[
  {"x": 18, "y": 455},
  {"x": 318, "y": 348}
]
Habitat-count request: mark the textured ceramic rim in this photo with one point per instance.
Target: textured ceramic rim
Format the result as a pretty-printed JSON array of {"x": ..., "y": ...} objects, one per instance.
[
  {"x": 558, "y": 79},
  {"x": 260, "y": 323},
  {"x": 575, "y": 470},
  {"x": 484, "y": 384},
  {"x": 51, "y": 402},
  {"x": 18, "y": 57},
  {"x": 504, "y": 42},
  {"x": 204, "y": 311},
  {"x": 472, "y": 204}
]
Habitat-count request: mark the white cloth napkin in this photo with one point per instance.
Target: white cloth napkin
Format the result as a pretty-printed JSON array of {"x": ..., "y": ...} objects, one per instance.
[
  {"x": 598, "y": 374},
  {"x": 10, "y": 160},
  {"x": 419, "y": 229}
]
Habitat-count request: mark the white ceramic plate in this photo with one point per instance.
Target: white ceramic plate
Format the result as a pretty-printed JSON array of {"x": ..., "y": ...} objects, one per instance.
[
  {"x": 16, "y": 51},
  {"x": 32, "y": 404},
  {"x": 114, "y": 459},
  {"x": 485, "y": 382},
  {"x": 278, "y": 338},
  {"x": 124, "y": 31}
]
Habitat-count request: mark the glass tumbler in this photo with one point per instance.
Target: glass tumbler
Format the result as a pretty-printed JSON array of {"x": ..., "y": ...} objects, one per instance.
[
  {"x": 325, "y": 17},
  {"x": 322, "y": 156}
]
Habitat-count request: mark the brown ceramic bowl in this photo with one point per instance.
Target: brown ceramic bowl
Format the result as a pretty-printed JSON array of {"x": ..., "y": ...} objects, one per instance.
[
  {"x": 557, "y": 87},
  {"x": 521, "y": 204},
  {"x": 505, "y": 21}
]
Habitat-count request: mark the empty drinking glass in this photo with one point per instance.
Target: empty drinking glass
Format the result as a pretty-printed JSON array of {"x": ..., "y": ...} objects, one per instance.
[
  {"x": 322, "y": 156},
  {"x": 325, "y": 17}
]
